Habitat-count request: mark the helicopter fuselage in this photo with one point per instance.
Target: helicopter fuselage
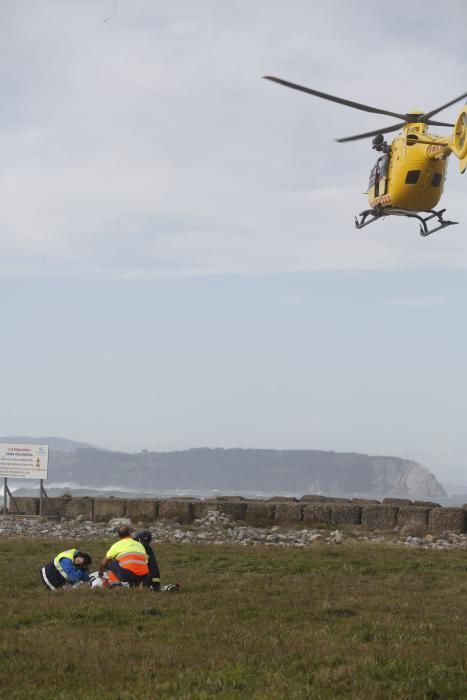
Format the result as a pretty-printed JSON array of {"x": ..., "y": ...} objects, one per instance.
[
  {"x": 411, "y": 174},
  {"x": 408, "y": 178}
]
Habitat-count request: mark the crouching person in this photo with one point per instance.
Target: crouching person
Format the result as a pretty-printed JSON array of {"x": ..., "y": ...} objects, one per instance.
[
  {"x": 67, "y": 569},
  {"x": 126, "y": 561},
  {"x": 153, "y": 580}
]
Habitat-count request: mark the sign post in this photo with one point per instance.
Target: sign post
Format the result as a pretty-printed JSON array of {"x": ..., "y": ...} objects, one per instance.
[{"x": 23, "y": 462}]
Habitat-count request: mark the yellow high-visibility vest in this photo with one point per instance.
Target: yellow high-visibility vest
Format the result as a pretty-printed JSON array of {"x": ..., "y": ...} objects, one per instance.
[{"x": 67, "y": 554}]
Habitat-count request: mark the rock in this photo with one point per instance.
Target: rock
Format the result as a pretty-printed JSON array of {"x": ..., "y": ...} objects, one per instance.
[
  {"x": 217, "y": 528},
  {"x": 115, "y": 523},
  {"x": 317, "y": 536}
]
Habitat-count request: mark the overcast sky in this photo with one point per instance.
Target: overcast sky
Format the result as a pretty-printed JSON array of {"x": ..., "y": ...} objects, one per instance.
[{"x": 178, "y": 261}]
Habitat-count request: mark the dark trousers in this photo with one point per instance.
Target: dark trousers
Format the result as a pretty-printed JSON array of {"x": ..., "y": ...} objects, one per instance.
[
  {"x": 51, "y": 577},
  {"x": 125, "y": 575}
]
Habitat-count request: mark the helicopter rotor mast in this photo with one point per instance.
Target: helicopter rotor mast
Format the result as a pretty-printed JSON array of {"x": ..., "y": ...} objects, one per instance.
[{"x": 413, "y": 118}]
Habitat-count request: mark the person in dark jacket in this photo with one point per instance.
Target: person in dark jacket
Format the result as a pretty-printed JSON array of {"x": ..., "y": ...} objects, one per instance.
[
  {"x": 154, "y": 577},
  {"x": 67, "y": 569}
]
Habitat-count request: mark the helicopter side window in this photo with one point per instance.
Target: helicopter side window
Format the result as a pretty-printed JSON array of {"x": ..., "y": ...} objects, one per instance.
[
  {"x": 373, "y": 174},
  {"x": 379, "y": 171},
  {"x": 383, "y": 165},
  {"x": 436, "y": 181},
  {"x": 412, "y": 177}
]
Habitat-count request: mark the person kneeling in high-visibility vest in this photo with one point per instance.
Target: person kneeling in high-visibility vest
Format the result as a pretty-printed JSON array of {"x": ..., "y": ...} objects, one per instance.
[
  {"x": 67, "y": 569},
  {"x": 126, "y": 561}
]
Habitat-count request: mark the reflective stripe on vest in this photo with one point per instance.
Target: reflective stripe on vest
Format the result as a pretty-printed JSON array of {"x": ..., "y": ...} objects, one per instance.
[
  {"x": 134, "y": 561},
  {"x": 68, "y": 554}
]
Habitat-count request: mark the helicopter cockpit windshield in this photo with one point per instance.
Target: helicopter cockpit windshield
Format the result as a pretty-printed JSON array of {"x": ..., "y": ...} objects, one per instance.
[{"x": 379, "y": 175}]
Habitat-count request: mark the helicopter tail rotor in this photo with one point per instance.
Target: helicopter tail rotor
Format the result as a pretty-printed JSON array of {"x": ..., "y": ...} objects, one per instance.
[{"x": 458, "y": 143}]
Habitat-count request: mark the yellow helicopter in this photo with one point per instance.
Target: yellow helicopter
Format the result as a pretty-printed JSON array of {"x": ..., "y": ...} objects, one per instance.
[{"x": 408, "y": 178}]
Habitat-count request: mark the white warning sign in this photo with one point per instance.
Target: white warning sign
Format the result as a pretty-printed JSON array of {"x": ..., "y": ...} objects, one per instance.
[{"x": 24, "y": 461}]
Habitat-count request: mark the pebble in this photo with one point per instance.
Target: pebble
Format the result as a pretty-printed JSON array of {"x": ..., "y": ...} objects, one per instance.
[{"x": 217, "y": 528}]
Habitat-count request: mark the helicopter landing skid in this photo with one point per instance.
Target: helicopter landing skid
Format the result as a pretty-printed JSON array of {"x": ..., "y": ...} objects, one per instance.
[{"x": 370, "y": 215}]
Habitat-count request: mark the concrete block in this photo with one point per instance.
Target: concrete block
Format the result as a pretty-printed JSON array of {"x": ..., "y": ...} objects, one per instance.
[
  {"x": 54, "y": 505},
  {"x": 25, "y": 504},
  {"x": 316, "y": 514},
  {"x": 260, "y": 513},
  {"x": 182, "y": 498},
  {"x": 379, "y": 517},
  {"x": 346, "y": 514},
  {"x": 236, "y": 510},
  {"x": 176, "y": 509},
  {"x": 413, "y": 519},
  {"x": 397, "y": 501},
  {"x": 231, "y": 498},
  {"x": 451, "y": 519},
  {"x": 365, "y": 501},
  {"x": 142, "y": 509},
  {"x": 282, "y": 499},
  {"x": 311, "y": 498},
  {"x": 80, "y": 506},
  {"x": 288, "y": 512},
  {"x": 314, "y": 498},
  {"x": 427, "y": 504},
  {"x": 201, "y": 508},
  {"x": 108, "y": 508}
]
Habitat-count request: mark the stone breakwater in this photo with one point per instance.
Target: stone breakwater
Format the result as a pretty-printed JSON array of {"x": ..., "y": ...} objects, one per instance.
[
  {"x": 309, "y": 517},
  {"x": 416, "y": 518},
  {"x": 217, "y": 528}
]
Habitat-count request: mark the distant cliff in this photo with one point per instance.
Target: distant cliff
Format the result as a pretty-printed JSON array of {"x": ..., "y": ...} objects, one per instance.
[{"x": 282, "y": 471}]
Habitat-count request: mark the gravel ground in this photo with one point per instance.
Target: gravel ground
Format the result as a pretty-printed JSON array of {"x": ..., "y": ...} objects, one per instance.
[{"x": 216, "y": 528}]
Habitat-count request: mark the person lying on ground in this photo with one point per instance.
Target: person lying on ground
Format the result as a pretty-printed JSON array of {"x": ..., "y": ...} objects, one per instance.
[
  {"x": 67, "y": 569},
  {"x": 153, "y": 580},
  {"x": 126, "y": 561}
]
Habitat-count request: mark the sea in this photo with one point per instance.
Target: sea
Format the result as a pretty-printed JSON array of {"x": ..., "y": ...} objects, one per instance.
[{"x": 79, "y": 490}]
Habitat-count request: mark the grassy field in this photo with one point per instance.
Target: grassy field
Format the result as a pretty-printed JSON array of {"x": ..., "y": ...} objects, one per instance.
[{"x": 349, "y": 621}]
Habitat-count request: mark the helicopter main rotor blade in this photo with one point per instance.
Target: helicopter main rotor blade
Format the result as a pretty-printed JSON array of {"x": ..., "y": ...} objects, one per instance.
[
  {"x": 427, "y": 115},
  {"x": 332, "y": 98},
  {"x": 388, "y": 130},
  {"x": 430, "y": 122}
]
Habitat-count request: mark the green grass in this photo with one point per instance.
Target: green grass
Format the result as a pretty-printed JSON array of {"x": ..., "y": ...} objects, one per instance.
[{"x": 354, "y": 621}]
